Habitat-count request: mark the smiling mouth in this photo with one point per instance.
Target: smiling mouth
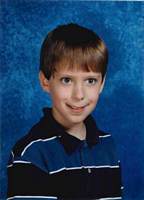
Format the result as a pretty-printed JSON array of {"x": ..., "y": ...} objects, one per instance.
[{"x": 77, "y": 108}]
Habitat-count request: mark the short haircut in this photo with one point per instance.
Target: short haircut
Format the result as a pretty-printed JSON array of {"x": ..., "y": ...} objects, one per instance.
[{"x": 74, "y": 47}]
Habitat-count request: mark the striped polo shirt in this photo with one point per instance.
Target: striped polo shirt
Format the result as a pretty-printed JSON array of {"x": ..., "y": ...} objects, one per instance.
[{"x": 49, "y": 163}]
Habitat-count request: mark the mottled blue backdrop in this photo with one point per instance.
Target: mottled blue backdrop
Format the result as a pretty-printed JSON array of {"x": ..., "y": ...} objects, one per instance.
[{"x": 24, "y": 24}]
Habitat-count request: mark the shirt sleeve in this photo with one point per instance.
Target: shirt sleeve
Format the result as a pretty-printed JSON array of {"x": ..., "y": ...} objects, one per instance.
[{"x": 27, "y": 181}]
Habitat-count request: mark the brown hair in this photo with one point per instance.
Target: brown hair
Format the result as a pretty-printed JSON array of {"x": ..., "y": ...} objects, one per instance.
[{"x": 73, "y": 46}]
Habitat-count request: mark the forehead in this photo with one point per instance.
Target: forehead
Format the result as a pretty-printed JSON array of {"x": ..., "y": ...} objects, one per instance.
[{"x": 76, "y": 72}]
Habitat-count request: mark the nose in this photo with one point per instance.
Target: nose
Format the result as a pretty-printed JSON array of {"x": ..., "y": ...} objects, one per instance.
[{"x": 78, "y": 92}]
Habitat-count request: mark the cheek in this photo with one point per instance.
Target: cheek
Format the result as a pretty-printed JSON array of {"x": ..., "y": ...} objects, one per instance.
[
  {"x": 94, "y": 98},
  {"x": 93, "y": 95},
  {"x": 59, "y": 93}
]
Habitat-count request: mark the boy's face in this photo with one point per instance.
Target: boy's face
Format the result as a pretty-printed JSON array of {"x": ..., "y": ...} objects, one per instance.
[{"x": 74, "y": 94}]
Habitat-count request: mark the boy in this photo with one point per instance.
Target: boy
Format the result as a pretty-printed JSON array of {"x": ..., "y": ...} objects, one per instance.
[{"x": 65, "y": 155}]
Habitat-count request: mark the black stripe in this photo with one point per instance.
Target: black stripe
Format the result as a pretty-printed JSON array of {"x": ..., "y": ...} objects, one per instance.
[{"x": 26, "y": 179}]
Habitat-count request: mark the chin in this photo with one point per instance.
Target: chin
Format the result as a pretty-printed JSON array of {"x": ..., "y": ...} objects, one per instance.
[{"x": 76, "y": 119}]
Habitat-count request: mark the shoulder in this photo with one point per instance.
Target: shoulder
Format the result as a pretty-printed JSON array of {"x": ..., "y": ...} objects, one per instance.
[
  {"x": 103, "y": 134},
  {"x": 97, "y": 135},
  {"x": 40, "y": 132},
  {"x": 32, "y": 148},
  {"x": 106, "y": 138},
  {"x": 108, "y": 145}
]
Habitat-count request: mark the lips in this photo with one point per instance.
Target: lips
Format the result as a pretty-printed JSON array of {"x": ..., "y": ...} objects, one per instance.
[{"x": 76, "y": 108}]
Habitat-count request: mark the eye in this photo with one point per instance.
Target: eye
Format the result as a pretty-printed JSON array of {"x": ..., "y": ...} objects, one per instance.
[
  {"x": 66, "y": 80},
  {"x": 91, "y": 81}
]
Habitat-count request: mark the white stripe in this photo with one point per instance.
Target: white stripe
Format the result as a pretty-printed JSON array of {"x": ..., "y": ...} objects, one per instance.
[
  {"x": 103, "y": 136},
  {"x": 109, "y": 198},
  {"x": 19, "y": 161},
  {"x": 13, "y": 158},
  {"x": 102, "y": 166},
  {"x": 45, "y": 197},
  {"x": 9, "y": 165},
  {"x": 52, "y": 197},
  {"x": 12, "y": 154},
  {"x": 56, "y": 171},
  {"x": 39, "y": 140},
  {"x": 83, "y": 167}
]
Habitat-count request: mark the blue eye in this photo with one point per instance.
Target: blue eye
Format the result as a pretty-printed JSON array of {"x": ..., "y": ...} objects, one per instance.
[
  {"x": 66, "y": 80},
  {"x": 91, "y": 81}
]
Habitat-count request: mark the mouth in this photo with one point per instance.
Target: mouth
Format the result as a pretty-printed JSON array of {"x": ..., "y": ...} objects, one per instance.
[{"x": 77, "y": 109}]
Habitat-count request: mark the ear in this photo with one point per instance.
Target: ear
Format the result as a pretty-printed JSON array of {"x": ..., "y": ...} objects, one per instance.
[
  {"x": 102, "y": 85},
  {"x": 44, "y": 82}
]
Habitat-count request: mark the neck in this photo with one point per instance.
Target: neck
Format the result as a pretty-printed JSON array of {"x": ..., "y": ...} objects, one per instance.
[
  {"x": 75, "y": 129},
  {"x": 78, "y": 131}
]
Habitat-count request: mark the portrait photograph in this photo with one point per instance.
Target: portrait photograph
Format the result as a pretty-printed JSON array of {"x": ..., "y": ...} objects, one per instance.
[{"x": 72, "y": 100}]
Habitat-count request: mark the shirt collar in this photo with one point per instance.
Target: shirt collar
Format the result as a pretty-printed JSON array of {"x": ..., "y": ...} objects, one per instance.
[{"x": 70, "y": 142}]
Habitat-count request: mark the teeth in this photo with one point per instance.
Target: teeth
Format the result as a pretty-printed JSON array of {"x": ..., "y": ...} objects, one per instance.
[{"x": 74, "y": 107}]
